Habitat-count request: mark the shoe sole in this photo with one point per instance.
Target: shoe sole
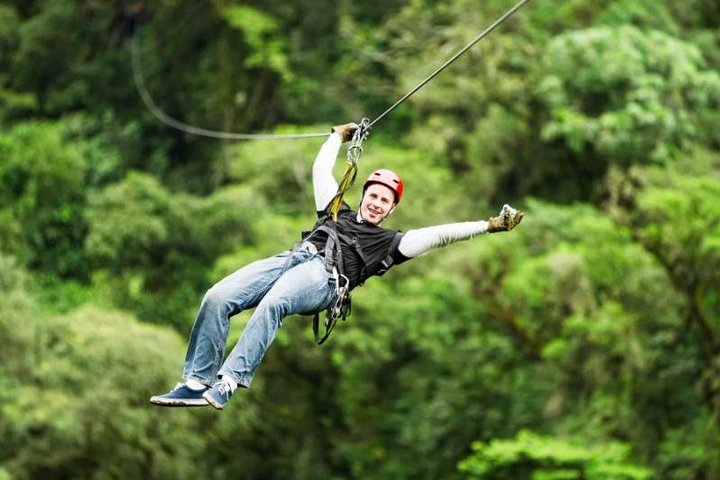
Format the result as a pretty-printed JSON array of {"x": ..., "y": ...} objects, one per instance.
[
  {"x": 212, "y": 402},
  {"x": 162, "y": 402}
]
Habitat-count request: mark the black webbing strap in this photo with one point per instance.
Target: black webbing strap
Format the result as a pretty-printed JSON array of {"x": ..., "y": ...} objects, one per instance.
[
  {"x": 389, "y": 260},
  {"x": 335, "y": 266},
  {"x": 340, "y": 308},
  {"x": 333, "y": 249}
]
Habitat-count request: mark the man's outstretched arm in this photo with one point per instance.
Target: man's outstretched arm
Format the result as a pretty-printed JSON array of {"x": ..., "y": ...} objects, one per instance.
[{"x": 418, "y": 241}]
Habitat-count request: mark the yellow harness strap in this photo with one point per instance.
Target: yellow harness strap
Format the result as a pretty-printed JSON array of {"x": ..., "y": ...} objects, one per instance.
[{"x": 353, "y": 156}]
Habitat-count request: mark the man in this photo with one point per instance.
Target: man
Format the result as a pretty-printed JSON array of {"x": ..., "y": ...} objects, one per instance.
[{"x": 333, "y": 259}]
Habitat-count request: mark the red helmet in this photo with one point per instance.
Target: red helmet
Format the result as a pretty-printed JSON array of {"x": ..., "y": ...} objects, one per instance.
[{"x": 388, "y": 178}]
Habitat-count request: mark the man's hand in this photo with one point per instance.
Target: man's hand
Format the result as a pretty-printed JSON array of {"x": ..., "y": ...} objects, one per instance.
[
  {"x": 346, "y": 131},
  {"x": 508, "y": 219}
]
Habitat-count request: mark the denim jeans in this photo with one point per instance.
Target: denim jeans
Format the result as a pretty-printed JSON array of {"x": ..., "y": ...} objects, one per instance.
[{"x": 277, "y": 287}]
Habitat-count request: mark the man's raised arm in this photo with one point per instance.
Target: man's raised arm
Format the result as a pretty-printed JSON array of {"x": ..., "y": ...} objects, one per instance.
[{"x": 324, "y": 184}]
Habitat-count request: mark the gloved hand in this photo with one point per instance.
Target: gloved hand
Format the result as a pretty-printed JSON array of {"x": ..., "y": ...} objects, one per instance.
[
  {"x": 345, "y": 131},
  {"x": 506, "y": 220}
]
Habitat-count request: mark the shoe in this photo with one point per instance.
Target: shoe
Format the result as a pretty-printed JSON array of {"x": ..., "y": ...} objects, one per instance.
[
  {"x": 219, "y": 394},
  {"x": 181, "y": 396}
]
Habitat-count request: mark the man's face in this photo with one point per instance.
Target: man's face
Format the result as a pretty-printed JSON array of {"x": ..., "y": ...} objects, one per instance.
[{"x": 377, "y": 203}]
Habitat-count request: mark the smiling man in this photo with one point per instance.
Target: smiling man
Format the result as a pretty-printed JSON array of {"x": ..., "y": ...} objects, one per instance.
[{"x": 317, "y": 274}]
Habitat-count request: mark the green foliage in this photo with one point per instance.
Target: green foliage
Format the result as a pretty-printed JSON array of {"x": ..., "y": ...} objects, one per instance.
[
  {"x": 42, "y": 190},
  {"x": 147, "y": 242},
  {"x": 536, "y": 457},
  {"x": 261, "y": 32},
  {"x": 16, "y": 304},
  {"x": 628, "y": 95},
  {"x": 79, "y": 409},
  {"x": 642, "y": 13},
  {"x": 683, "y": 452},
  {"x": 676, "y": 219},
  {"x": 599, "y": 307},
  {"x": 11, "y": 102}
]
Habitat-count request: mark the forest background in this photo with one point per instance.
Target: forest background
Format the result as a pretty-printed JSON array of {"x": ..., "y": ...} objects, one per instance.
[{"x": 584, "y": 344}]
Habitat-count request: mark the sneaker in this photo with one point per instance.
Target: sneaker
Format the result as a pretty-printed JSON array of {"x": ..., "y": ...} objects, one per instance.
[
  {"x": 181, "y": 396},
  {"x": 219, "y": 394}
]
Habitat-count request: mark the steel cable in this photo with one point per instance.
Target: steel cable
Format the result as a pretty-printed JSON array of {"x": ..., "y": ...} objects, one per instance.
[
  {"x": 451, "y": 60},
  {"x": 184, "y": 127}
]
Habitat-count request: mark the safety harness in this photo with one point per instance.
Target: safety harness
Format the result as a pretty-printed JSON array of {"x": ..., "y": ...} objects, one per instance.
[{"x": 341, "y": 306}]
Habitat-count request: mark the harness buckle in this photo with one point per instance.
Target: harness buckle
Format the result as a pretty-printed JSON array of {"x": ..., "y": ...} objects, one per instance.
[
  {"x": 340, "y": 308},
  {"x": 309, "y": 247}
]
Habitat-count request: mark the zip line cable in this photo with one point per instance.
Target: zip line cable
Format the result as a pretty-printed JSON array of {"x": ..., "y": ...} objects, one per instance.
[
  {"x": 365, "y": 126},
  {"x": 184, "y": 127},
  {"x": 467, "y": 47}
]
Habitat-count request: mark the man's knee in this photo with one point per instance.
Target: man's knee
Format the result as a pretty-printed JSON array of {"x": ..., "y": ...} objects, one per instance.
[
  {"x": 216, "y": 298},
  {"x": 275, "y": 307}
]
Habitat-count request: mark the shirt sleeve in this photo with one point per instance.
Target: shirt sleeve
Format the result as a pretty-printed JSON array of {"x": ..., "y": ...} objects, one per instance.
[
  {"x": 324, "y": 185},
  {"x": 421, "y": 240}
]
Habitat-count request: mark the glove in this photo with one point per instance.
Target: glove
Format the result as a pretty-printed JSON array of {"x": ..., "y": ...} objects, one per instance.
[
  {"x": 508, "y": 219},
  {"x": 345, "y": 131}
]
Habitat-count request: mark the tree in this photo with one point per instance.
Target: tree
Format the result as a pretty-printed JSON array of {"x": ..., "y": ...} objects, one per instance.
[
  {"x": 42, "y": 199},
  {"x": 146, "y": 243},
  {"x": 532, "y": 456},
  {"x": 74, "y": 399}
]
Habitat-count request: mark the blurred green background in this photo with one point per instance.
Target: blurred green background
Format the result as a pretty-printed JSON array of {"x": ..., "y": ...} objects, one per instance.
[{"x": 583, "y": 345}]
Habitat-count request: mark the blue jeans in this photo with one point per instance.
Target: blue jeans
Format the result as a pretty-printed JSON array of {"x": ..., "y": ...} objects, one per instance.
[{"x": 276, "y": 292}]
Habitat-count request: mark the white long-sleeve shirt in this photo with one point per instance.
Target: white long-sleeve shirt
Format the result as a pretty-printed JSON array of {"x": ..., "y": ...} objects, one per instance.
[{"x": 414, "y": 242}]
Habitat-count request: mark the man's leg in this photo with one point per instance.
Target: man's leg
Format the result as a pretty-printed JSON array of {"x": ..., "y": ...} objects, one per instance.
[
  {"x": 238, "y": 291},
  {"x": 305, "y": 288}
]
